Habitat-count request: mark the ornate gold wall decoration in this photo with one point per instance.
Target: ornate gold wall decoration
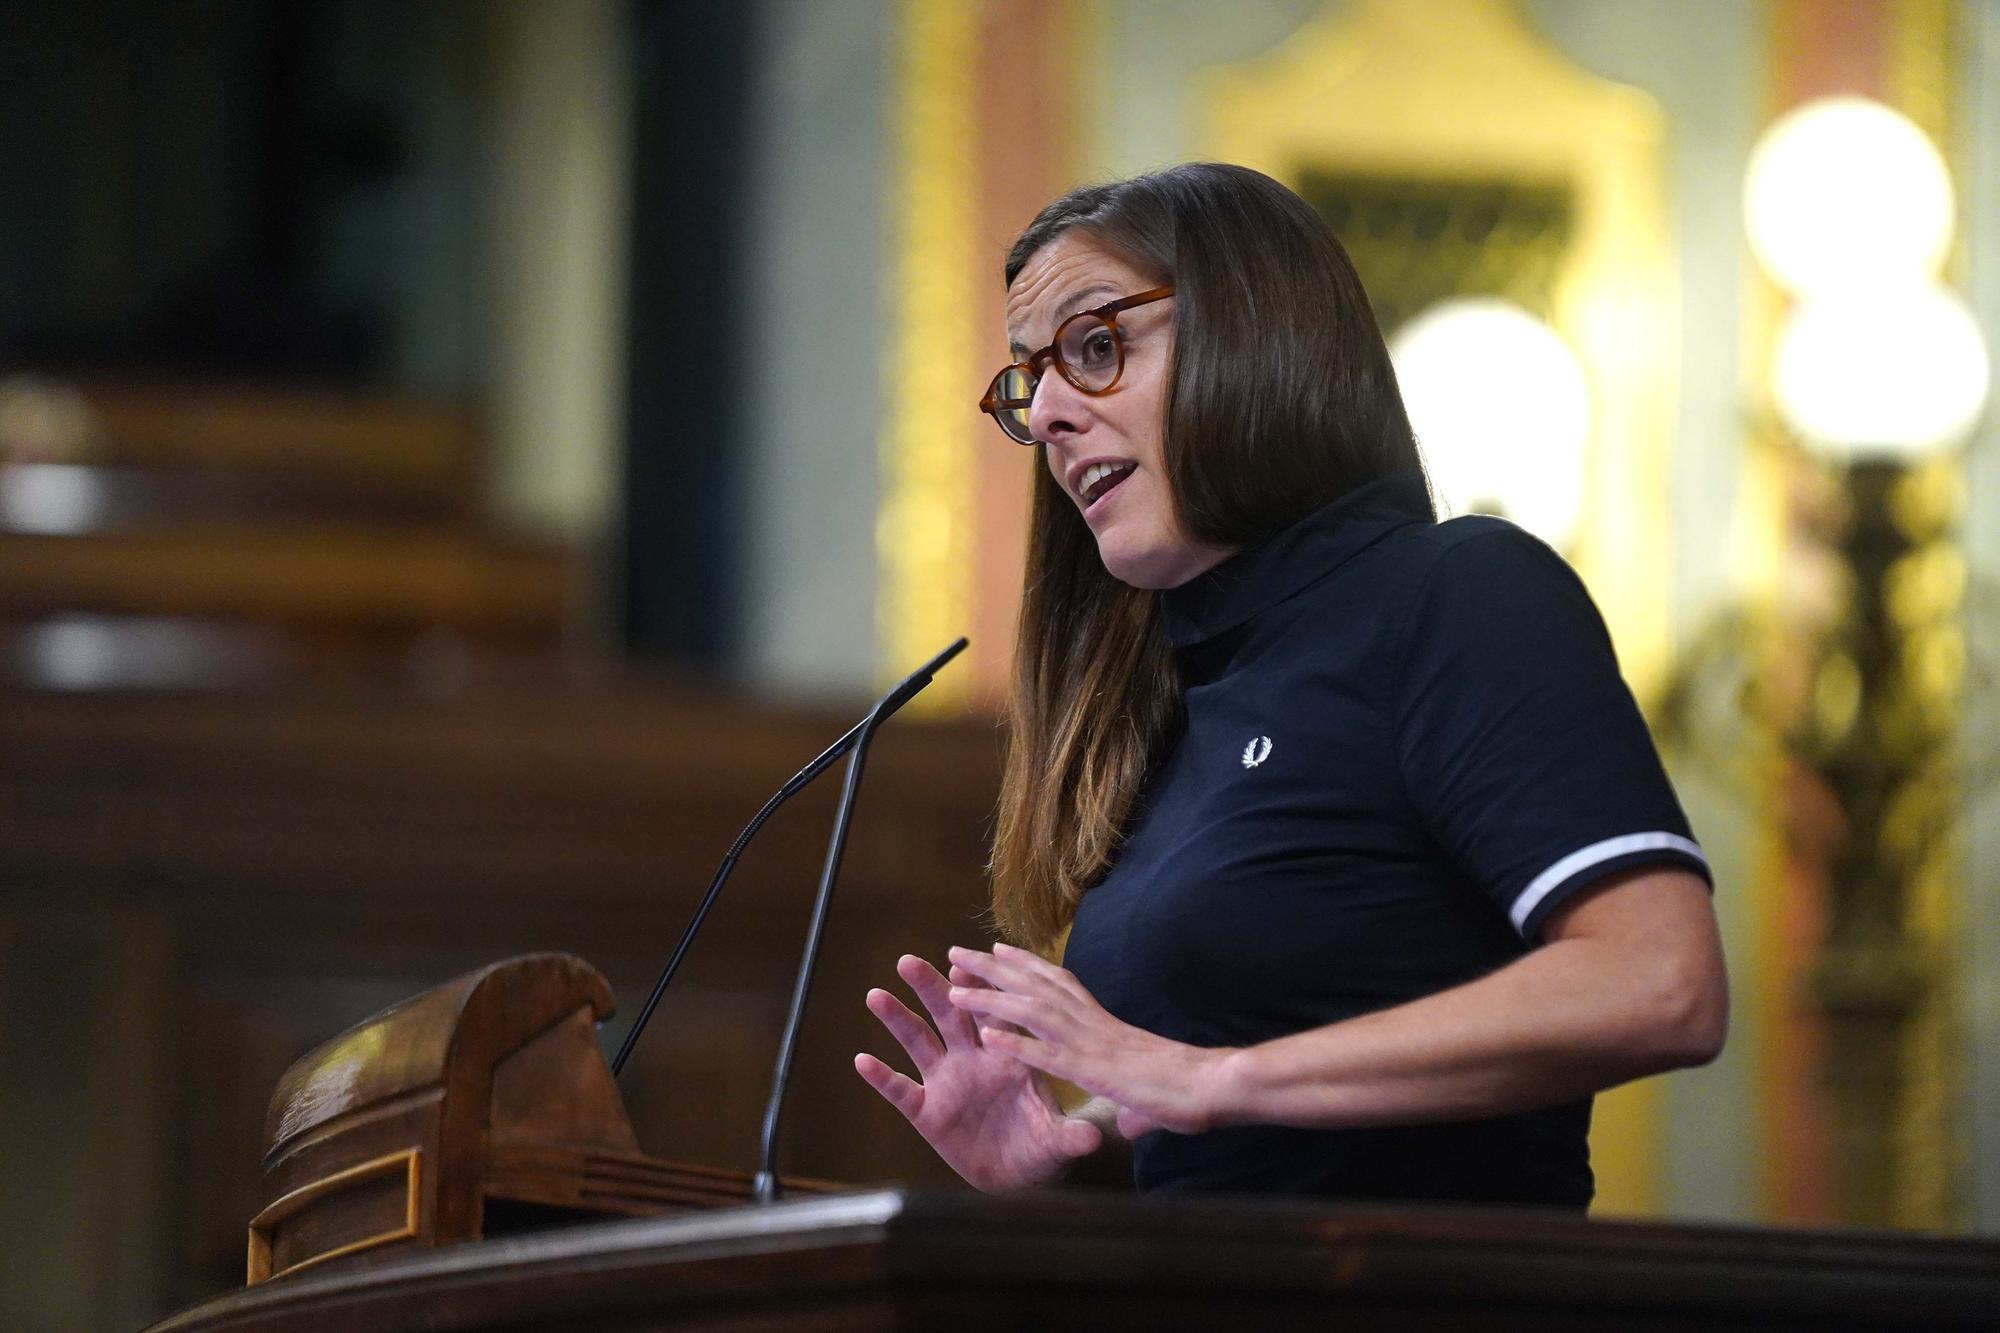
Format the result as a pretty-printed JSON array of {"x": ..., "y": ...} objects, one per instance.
[
  {"x": 922, "y": 526},
  {"x": 1416, "y": 242},
  {"x": 1458, "y": 97},
  {"x": 1462, "y": 93}
]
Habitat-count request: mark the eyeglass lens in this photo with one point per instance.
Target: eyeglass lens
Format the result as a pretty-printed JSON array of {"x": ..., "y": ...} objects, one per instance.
[
  {"x": 1088, "y": 353},
  {"x": 1014, "y": 385}
]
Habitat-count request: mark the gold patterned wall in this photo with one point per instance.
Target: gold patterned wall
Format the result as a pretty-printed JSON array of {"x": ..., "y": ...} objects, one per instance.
[
  {"x": 1419, "y": 240},
  {"x": 923, "y": 527},
  {"x": 985, "y": 107}
]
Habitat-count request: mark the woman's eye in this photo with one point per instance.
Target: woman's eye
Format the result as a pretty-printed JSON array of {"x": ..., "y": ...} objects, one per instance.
[{"x": 1097, "y": 348}]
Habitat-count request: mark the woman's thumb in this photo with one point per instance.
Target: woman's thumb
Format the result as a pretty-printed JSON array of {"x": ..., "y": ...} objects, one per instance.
[
  {"x": 1079, "y": 1138},
  {"x": 1131, "y": 1124}
]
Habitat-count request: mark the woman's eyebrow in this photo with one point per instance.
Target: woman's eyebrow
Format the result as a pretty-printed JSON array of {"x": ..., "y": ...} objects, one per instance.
[
  {"x": 1074, "y": 301},
  {"x": 1070, "y": 305}
]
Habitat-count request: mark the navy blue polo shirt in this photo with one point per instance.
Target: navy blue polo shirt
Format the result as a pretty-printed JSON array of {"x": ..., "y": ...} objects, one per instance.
[{"x": 1406, "y": 743}]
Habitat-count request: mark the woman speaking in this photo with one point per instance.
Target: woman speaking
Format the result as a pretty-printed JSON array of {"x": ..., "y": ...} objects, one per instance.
[{"x": 1370, "y": 873}]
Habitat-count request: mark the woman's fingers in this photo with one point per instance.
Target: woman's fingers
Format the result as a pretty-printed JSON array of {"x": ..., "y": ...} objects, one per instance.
[
  {"x": 1033, "y": 1014},
  {"x": 1056, "y": 975},
  {"x": 1034, "y": 1053},
  {"x": 912, "y": 1033},
  {"x": 901, "y": 1091},
  {"x": 989, "y": 968},
  {"x": 962, "y": 978},
  {"x": 1014, "y": 969},
  {"x": 931, "y": 989}
]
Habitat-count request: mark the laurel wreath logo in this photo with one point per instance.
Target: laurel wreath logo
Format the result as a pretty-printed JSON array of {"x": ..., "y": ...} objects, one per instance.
[{"x": 1256, "y": 752}]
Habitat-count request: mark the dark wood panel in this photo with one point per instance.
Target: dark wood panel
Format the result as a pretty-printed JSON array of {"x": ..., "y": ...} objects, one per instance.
[
  {"x": 423, "y": 448},
  {"x": 75, "y": 498},
  {"x": 305, "y": 859},
  {"x": 310, "y": 575}
]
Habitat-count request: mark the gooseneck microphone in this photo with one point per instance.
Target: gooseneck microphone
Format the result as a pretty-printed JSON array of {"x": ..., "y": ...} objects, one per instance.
[
  {"x": 905, "y": 690},
  {"x": 766, "y": 1187},
  {"x": 890, "y": 702}
]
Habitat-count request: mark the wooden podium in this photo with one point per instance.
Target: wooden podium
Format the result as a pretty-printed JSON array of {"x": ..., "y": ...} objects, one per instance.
[
  {"x": 958, "y": 1262},
  {"x": 485, "y": 1105}
]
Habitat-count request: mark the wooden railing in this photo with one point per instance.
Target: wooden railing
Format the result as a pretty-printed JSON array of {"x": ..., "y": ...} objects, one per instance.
[{"x": 204, "y": 536}]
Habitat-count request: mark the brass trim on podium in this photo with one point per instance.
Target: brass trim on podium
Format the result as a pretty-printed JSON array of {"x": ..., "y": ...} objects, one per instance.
[{"x": 299, "y": 1199}]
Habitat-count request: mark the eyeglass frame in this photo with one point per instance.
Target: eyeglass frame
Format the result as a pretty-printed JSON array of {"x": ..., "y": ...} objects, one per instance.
[{"x": 993, "y": 405}]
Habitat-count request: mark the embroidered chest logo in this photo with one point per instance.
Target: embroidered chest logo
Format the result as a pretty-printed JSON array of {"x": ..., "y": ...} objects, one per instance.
[{"x": 1256, "y": 752}]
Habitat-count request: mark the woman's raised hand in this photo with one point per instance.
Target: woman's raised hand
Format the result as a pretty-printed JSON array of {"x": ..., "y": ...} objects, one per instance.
[
  {"x": 989, "y": 1116},
  {"x": 1040, "y": 1014}
]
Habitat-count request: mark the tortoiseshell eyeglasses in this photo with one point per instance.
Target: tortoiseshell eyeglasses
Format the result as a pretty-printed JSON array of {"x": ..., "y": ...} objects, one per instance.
[{"x": 1087, "y": 352}]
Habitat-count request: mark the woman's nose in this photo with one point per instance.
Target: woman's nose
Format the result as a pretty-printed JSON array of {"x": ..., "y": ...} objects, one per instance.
[{"x": 1057, "y": 408}]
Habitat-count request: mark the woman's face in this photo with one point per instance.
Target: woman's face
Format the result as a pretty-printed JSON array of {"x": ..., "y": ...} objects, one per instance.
[{"x": 1104, "y": 450}]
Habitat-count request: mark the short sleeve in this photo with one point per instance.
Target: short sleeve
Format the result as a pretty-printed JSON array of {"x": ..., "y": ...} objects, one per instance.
[{"x": 1521, "y": 747}]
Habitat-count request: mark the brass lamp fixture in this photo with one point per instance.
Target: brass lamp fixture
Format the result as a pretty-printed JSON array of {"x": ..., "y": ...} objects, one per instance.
[{"x": 1879, "y": 373}]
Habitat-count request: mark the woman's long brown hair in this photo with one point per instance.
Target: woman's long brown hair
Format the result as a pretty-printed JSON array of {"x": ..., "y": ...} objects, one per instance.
[{"x": 1281, "y": 400}]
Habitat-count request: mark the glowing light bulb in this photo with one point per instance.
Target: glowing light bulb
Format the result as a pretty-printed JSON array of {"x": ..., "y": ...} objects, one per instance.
[
  {"x": 1894, "y": 371},
  {"x": 1845, "y": 192},
  {"x": 1502, "y": 411}
]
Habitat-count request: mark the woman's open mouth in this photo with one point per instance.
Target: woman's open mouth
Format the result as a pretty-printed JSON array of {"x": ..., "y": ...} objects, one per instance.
[{"x": 1100, "y": 479}]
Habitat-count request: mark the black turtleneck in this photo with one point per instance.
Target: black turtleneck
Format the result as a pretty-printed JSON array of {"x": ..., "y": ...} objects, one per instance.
[{"x": 1406, "y": 743}]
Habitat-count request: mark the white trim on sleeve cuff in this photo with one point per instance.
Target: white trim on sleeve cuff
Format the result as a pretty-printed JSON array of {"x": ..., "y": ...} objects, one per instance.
[{"x": 1584, "y": 858}]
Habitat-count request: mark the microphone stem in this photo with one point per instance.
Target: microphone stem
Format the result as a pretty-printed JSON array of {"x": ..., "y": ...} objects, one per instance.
[
  {"x": 854, "y": 742},
  {"x": 766, "y": 1185},
  {"x": 785, "y": 793}
]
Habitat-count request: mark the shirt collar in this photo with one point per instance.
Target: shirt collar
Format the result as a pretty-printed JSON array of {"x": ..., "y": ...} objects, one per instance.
[{"x": 1261, "y": 576}]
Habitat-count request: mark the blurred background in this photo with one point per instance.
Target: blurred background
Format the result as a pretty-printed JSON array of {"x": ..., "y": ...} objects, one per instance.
[{"x": 456, "y": 458}]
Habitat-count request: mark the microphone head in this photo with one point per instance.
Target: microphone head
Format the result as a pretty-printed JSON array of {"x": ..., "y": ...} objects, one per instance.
[
  {"x": 956, "y": 647},
  {"x": 913, "y": 684}
]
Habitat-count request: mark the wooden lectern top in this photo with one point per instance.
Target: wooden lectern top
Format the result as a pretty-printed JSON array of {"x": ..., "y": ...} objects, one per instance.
[
  {"x": 962, "y": 1262},
  {"x": 442, "y": 1038},
  {"x": 482, "y": 1105}
]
